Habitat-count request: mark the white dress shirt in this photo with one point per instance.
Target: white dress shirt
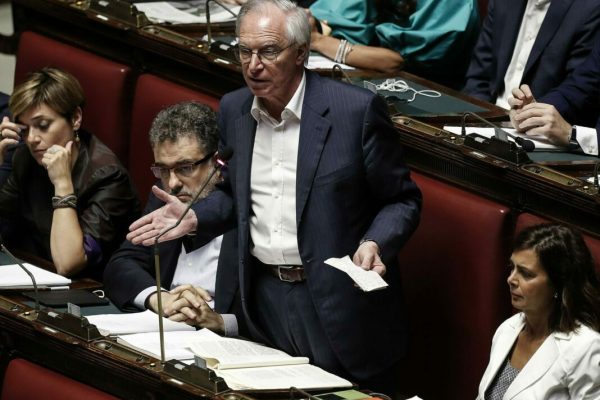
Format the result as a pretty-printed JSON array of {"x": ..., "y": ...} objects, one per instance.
[
  {"x": 273, "y": 183},
  {"x": 535, "y": 12},
  {"x": 199, "y": 269},
  {"x": 588, "y": 140}
]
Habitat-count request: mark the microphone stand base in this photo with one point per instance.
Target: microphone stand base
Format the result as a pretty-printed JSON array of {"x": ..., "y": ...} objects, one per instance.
[
  {"x": 70, "y": 324},
  {"x": 203, "y": 378},
  {"x": 506, "y": 151}
]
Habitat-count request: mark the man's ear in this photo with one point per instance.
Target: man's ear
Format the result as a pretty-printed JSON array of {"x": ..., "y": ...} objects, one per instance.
[{"x": 302, "y": 54}]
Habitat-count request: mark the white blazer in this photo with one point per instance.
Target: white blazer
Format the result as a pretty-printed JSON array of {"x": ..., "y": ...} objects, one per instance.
[{"x": 566, "y": 366}]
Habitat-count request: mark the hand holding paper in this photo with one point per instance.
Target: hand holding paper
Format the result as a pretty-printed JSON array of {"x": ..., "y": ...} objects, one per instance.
[{"x": 366, "y": 280}]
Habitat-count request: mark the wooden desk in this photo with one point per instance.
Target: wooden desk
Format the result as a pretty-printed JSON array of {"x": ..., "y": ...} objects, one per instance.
[{"x": 123, "y": 373}]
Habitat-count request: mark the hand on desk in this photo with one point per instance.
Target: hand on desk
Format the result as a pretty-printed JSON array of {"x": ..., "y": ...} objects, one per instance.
[
  {"x": 532, "y": 118},
  {"x": 367, "y": 257},
  {"x": 188, "y": 304},
  {"x": 144, "y": 230}
]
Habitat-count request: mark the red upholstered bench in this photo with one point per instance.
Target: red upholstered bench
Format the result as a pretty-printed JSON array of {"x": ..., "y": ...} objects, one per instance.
[
  {"x": 26, "y": 381},
  {"x": 455, "y": 291},
  {"x": 107, "y": 85},
  {"x": 152, "y": 94}
]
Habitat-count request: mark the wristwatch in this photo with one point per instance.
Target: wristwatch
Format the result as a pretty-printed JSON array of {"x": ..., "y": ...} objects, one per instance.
[{"x": 573, "y": 143}]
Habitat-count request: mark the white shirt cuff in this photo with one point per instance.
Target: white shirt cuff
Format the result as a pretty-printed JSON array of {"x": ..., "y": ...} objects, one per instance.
[
  {"x": 140, "y": 299},
  {"x": 588, "y": 140},
  {"x": 230, "y": 325}
]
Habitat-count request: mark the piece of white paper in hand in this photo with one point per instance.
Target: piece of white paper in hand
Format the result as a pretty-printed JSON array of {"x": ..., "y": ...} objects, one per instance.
[{"x": 366, "y": 280}]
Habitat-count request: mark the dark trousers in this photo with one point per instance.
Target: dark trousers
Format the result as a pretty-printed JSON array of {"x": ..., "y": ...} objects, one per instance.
[{"x": 286, "y": 314}]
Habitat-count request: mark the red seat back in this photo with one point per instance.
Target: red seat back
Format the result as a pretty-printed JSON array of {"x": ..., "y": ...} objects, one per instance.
[
  {"x": 152, "y": 94},
  {"x": 24, "y": 380},
  {"x": 107, "y": 85},
  {"x": 454, "y": 283}
]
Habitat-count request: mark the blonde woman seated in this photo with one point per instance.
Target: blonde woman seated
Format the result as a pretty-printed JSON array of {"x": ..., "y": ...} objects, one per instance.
[
  {"x": 551, "y": 349},
  {"x": 68, "y": 199}
]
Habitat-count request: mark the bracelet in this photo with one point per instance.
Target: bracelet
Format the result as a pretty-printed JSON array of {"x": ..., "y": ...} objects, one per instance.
[
  {"x": 341, "y": 50},
  {"x": 68, "y": 201}
]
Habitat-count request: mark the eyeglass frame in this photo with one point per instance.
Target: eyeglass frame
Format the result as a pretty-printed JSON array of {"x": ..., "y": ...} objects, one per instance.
[
  {"x": 157, "y": 170},
  {"x": 238, "y": 55}
]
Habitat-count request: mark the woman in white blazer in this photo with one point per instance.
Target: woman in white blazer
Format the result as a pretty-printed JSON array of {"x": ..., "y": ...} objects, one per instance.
[{"x": 551, "y": 349}]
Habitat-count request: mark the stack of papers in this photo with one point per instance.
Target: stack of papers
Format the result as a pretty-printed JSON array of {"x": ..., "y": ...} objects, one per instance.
[
  {"x": 122, "y": 324},
  {"x": 13, "y": 277}
]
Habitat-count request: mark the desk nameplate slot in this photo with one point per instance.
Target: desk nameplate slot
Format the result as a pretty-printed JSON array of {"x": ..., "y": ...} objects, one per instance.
[
  {"x": 173, "y": 37},
  {"x": 121, "y": 351},
  {"x": 553, "y": 175}
]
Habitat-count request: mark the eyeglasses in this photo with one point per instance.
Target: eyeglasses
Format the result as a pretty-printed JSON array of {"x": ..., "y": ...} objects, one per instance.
[
  {"x": 266, "y": 54},
  {"x": 185, "y": 170}
]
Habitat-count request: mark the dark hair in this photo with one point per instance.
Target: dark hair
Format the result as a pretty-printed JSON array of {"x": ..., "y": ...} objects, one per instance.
[
  {"x": 186, "y": 119},
  {"x": 54, "y": 87},
  {"x": 567, "y": 260}
]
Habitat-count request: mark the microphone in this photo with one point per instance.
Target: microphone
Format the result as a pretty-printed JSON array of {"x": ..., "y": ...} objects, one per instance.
[
  {"x": 16, "y": 261},
  {"x": 596, "y": 170},
  {"x": 501, "y": 134},
  {"x": 208, "y": 29},
  {"x": 222, "y": 158}
]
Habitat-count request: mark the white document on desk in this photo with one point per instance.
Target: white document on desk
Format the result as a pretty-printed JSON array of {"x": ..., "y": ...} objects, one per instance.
[
  {"x": 162, "y": 11},
  {"x": 176, "y": 344},
  {"x": 13, "y": 277},
  {"x": 366, "y": 280},
  {"x": 541, "y": 143},
  {"x": 126, "y": 323},
  {"x": 318, "y": 61}
]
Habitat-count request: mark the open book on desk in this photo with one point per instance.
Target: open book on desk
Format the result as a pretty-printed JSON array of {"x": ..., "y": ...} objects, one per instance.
[
  {"x": 248, "y": 365},
  {"x": 244, "y": 365},
  {"x": 13, "y": 277}
]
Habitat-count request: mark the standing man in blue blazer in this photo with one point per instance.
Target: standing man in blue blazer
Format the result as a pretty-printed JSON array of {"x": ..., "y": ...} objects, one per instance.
[
  {"x": 317, "y": 172},
  {"x": 533, "y": 42}
]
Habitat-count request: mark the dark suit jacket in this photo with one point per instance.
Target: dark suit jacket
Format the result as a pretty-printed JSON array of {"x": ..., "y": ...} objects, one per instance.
[
  {"x": 131, "y": 270},
  {"x": 578, "y": 98},
  {"x": 351, "y": 183},
  {"x": 564, "y": 40}
]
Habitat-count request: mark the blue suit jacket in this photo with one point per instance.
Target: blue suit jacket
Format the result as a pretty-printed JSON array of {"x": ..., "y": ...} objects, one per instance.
[
  {"x": 578, "y": 98},
  {"x": 351, "y": 184},
  {"x": 564, "y": 40},
  {"x": 131, "y": 270}
]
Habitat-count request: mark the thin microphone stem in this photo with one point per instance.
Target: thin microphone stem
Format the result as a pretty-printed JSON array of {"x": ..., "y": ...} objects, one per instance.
[
  {"x": 16, "y": 260},
  {"x": 208, "y": 30},
  {"x": 596, "y": 168},
  {"x": 226, "y": 154}
]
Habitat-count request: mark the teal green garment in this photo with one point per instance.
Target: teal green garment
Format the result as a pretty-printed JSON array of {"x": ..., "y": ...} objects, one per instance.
[{"x": 436, "y": 40}]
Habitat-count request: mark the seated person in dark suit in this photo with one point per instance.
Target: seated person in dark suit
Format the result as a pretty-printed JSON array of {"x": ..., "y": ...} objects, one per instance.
[
  {"x": 184, "y": 142},
  {"x": 533, "y": 42},
  {"x": 563, "y": 115},
  {"x": 68, "y": 199}
]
